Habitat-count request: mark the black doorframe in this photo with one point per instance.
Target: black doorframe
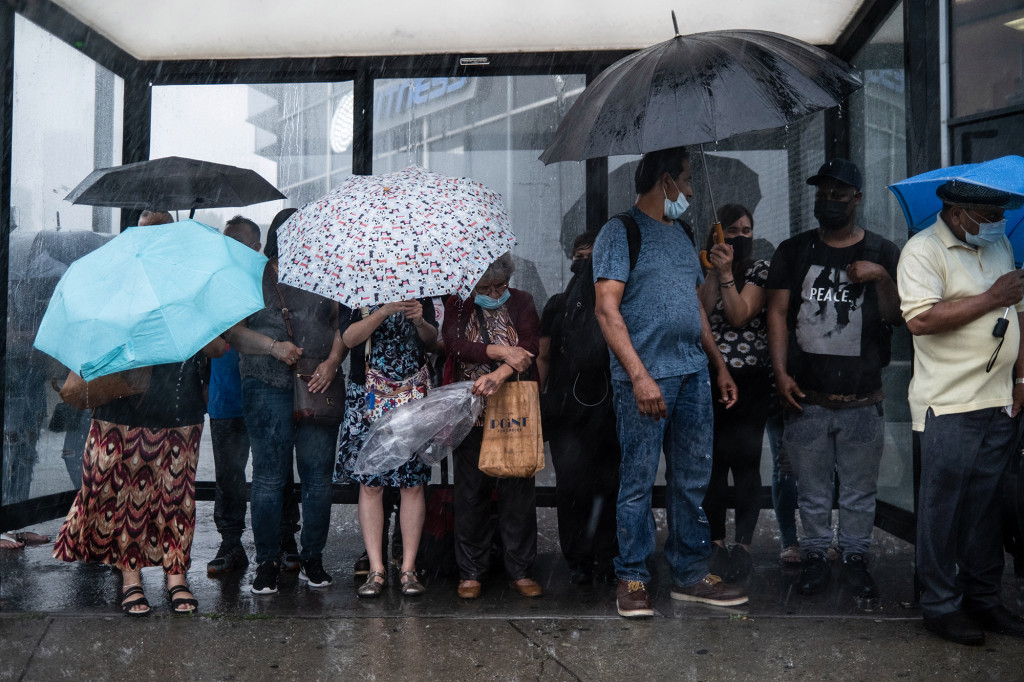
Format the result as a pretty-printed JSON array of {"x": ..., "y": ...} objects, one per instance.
[{"x": 139, "y": 77}]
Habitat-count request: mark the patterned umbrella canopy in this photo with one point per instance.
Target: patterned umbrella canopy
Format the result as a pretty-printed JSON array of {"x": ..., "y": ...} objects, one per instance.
[{"x": 393, "y": 237}]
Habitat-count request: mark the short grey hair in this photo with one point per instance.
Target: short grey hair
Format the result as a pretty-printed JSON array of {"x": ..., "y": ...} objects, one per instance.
[{"x": 500, "y": 270}]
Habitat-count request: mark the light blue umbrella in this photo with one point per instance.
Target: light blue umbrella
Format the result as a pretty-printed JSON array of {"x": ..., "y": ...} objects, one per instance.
[
  {"x": 919, "y": 203},
  {"x": 152, "y": 295}
]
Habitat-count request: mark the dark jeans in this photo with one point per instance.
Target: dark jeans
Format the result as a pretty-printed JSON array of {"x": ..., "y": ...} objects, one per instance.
[
  {"x": 586, "y": 457},
  {"x": 739, "y": 435},
  {"x": 274, "y": 439},
  {"x": 784, "y": 494},
  {"x": 230, "y": 440},
  {"x": 959, "y": 530},
  {"x": 474, "y": 528},
  {"x": 685, "y": 437}
]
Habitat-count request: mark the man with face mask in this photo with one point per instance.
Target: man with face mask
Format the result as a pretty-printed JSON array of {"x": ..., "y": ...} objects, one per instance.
[
  {"x": 962, "y": 302},
  {"x": 831, "y": 292},
  {"x": 661, "y": 389}
]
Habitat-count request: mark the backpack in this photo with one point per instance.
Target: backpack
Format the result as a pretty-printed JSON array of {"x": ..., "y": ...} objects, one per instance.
[
  {"x": 872, "y": 252},
  {"x": 582, "y": 343}
]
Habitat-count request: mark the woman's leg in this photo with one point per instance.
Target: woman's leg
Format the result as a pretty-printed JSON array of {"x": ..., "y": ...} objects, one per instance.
[
  {"x": 371, "y": 523},
  {"x": 130, "y": 579},
  {"x": 411, "y": 512}
]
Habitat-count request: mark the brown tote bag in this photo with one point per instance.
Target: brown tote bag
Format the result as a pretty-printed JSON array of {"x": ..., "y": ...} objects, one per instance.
[
  {"x": 85, "y": 395},
  {"x": 513, "y": 443}
]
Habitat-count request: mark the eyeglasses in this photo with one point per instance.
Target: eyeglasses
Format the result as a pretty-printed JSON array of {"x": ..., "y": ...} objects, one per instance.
[{"x": 492, "y": 290}]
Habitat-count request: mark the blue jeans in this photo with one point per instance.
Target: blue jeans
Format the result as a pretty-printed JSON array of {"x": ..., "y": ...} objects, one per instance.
[
  {"x": 959, "y": 530},
  {"x": 274, "y": 436},
  {"x": 784, "y": 496},
  {"x": 821, "y": 442},
  {"x": 686, "y": 437}
]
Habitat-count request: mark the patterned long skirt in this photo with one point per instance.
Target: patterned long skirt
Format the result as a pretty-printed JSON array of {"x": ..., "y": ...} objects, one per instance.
[{"x": 137, "y": 506}]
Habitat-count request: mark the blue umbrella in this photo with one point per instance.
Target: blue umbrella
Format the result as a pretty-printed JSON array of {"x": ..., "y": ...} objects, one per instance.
[
  {"x": 152, "y": 295},
  {"x": 919, "y": 203}
]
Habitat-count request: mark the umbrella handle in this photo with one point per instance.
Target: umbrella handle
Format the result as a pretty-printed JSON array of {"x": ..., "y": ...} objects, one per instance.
[{"x": 719, "y": 238}]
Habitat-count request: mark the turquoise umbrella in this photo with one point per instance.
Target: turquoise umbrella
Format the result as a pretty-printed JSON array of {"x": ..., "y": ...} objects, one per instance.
[{"x": 152, "y": 295}]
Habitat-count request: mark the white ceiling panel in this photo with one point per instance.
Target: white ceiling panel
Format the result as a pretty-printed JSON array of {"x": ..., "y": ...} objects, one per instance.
[{"x": 223, "y": 29}]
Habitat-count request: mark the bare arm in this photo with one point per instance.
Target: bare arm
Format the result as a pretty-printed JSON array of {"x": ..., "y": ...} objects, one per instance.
[
  {"x": 778, "y": 346},
  {"x": 254, "y": 343},
  {"x": 648, "y": 396},
  {"x": 945, "y": 316}
]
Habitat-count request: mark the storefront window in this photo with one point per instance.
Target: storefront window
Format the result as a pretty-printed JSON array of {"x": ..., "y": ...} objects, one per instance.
[{"x": 987, "y": 55}]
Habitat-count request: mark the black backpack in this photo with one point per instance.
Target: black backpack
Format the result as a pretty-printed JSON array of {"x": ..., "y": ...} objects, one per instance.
[{"x": 582, "y": 343}]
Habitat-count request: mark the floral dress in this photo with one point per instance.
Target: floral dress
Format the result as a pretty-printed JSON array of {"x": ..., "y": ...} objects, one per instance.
[
  {"x": 396, "y": 351},
  {"x": 743, "y": 348}
]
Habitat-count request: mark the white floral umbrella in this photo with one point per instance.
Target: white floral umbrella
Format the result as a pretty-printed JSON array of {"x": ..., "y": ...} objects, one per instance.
[{"x": 383, "y": 238}]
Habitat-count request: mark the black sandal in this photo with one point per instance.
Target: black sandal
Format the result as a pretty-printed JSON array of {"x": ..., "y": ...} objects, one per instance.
[
  {"x": 131, "y": 591},
  {"x": 182, "y": 601}
]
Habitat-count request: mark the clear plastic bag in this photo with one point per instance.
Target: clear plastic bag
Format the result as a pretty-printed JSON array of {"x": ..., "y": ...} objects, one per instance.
[{"x": 429, "y": 429}]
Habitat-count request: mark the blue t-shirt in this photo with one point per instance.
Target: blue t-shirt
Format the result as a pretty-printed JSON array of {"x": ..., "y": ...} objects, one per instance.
[
  {"x": 659, "y": 304},
  {"x": 225, "y": 387}
]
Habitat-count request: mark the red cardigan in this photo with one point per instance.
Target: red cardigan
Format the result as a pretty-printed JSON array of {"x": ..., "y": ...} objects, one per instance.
[{"x": 457, "y": 314}]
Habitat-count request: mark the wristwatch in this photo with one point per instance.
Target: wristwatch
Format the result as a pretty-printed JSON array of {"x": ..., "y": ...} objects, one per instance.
[{"x": 1019, "y": 380}]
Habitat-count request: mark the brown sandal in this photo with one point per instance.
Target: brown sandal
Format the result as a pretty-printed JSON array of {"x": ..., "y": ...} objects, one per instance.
[
  {"x": 372, "y": 588},
  {"x": 411, "y": 585}
]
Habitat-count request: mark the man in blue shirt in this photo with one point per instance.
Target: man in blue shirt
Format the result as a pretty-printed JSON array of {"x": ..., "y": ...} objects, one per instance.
[
  {"x": 660, "y": 340},
  {"x": 230, "y": 442}
]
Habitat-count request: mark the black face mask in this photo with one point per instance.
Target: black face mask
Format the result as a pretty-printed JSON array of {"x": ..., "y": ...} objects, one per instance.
[
  {"x": 831, "y": 214},
  {"x": 742, "y": 247},
  {"x": 578, "y": 264}
]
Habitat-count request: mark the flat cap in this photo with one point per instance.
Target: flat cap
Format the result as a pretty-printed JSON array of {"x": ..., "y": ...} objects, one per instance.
[{"x": 960, "y": 192}]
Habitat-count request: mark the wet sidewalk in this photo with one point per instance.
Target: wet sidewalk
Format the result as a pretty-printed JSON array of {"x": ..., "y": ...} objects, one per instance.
[{"x": 60, "y": 621}]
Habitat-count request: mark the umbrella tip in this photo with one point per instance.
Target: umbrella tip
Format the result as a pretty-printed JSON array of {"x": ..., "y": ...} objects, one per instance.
[{"x": 675, "y": 24}]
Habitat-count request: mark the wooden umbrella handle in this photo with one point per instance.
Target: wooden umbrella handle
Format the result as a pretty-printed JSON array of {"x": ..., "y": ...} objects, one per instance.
[{"x": 718, "y": 239}]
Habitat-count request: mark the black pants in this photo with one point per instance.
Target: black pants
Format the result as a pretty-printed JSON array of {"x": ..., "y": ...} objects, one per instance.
[
  {"x": 230, "y": 441},
  {"x": 586, "y": 456},
  {"x": 739, "y": 433},
  {"x": 474, "y": 526}
]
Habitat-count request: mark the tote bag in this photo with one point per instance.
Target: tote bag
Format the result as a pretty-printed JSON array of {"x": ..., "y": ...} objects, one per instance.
[{"x": 513, "y": 442}]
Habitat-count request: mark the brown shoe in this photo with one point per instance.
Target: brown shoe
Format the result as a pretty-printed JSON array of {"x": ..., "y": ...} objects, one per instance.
[
  {"x": 469, "y": 589},
  {"x": 711, "y": 590},
  {"x": 527, "y": 587},
  {"x": 632, "y": 600}
]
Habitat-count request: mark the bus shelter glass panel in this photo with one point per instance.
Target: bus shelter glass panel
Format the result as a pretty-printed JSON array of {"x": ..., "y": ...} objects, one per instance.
[
  {"x": 878, "y": 144},
  {"x": 298, "y": 136},
  {"x": 66, "y": 123},
  {"x": 987, "y": 55}
]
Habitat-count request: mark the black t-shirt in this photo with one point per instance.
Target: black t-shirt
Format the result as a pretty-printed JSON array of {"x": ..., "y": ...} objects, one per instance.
[
  {"x": 550, "y": 321},
  {"x": 174, "y": 398},
  {"x": 834, "y": 323}
]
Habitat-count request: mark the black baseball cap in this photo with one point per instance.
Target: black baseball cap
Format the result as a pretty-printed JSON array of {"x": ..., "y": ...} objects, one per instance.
[{"x": 839, "y": 169}]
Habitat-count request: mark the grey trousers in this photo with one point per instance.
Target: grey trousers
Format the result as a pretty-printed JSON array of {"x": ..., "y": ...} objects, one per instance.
[
  {"x": 959, "y": 529},
  {"x": 822, "y": 442}
]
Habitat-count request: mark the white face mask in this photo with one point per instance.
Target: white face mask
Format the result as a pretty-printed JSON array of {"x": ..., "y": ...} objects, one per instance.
[
  {"x": 988, "y": 233},
  {"x": 675, "y": 209}
]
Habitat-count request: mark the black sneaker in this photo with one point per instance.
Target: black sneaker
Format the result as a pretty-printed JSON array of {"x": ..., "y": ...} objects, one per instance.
[
  {"x": 362, "y": 565},
  {"x": 718, "y": 562},
  {"x": 313, "y": 572},
  {"x": 289, "y": 556},
  {"x": 816, "y": 573},
  {"x": 230, "y": 557},
  {"x": 265, "y": 581},
  {"x": 740, "y": 565},
  {"x": 854, "y": 575}
]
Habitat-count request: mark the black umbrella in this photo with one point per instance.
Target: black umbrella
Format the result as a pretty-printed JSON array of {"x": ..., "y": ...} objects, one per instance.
[
  {"x": 699, "y": 88},
  {"x": 173, "y": 183}
]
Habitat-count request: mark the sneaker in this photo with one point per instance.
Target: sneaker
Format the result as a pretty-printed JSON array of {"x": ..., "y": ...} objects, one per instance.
[
  {"x": 711, "y": 590},
  {"x": 740, "y": 565},
  {"x": 265, "y": 581},
  {"x": 956, "y": 627},
  {"x": 854, "y": 575},
  {"x": 230, "y": 557},
  {"x": 313, "y": 572},
  {"x": 632, "y": 600},
  {"x": 362, "y": 565},
  {"x": 816, "y": 573},
  {"x": 718, "y": 562},
  {"x": 289, "y": 556}
]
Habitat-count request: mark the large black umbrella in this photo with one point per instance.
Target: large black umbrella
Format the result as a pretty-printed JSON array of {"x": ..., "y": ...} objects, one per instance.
[
  {"x": 173, "y": 183},
  {"x": 699, "y": 88}
]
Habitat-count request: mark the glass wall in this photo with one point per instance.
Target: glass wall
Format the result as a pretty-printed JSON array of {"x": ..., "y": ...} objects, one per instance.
[
  {"x": 492, "y": 130},
  {"x": 878, "y": 144},
  {"x": 986, "y": 55},
  {"x": 66, "y": 122}
]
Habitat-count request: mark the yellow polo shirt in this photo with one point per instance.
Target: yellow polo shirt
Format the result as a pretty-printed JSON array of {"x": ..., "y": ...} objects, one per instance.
[{"x": 949, "y": 368}]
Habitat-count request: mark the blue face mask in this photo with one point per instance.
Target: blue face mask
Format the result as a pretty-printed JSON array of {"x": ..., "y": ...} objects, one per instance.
[
  {"x": 674, "y": 210},
  {"x": 988, "y": 233},
  {"x": 491, "y": 303}
]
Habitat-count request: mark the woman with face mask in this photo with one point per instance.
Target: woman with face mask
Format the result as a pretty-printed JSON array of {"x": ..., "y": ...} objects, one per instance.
[
  {"x": 488, "y": 340},
  {"x": 733, "y": 296}
]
